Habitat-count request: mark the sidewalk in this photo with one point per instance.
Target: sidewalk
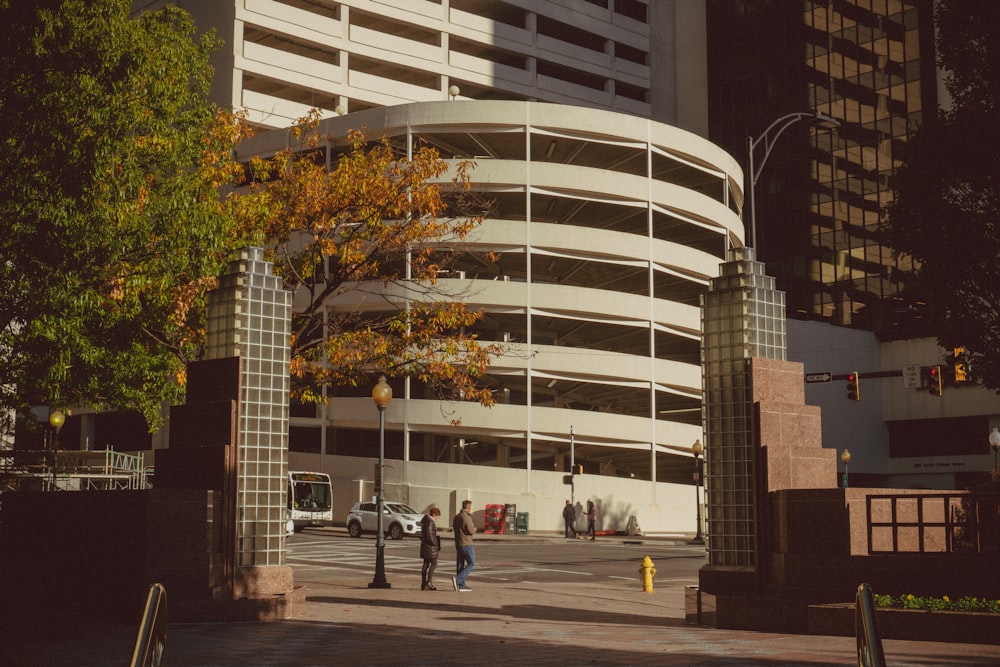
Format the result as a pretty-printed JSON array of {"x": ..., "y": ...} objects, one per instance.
[{"x": 343, "y": 622}]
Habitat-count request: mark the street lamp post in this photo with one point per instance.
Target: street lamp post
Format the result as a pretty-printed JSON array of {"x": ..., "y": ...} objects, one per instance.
[
  {"x": 697, "y": 449},
  {"x": 995, "y": 446},
  {"x": 572, "y": 467},
  {"x": 381, "y": 394},
  {"x": 777, "y": 127},
  {"x": 845, "y": 456},
  {"x": 56, "y": 420}
]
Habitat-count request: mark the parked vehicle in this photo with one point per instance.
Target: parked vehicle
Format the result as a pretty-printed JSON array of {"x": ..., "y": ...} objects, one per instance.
[{"x": 397, "y": 520}]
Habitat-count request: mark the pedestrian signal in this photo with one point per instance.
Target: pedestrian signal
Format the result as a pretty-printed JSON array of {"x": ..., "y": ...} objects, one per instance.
[
  {"x": 578, "y": 469},
  {"x": 854, "y": 386}
]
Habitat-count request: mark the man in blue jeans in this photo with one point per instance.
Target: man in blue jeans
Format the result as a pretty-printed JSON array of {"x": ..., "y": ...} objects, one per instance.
[{"x": 465, "y": 554}]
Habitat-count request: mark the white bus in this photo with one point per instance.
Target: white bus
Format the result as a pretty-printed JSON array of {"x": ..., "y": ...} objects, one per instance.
[{"x": 310, "y": 499}]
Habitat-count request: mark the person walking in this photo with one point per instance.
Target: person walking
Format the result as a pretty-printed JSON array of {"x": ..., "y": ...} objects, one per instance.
[
  {"x": 591, "y": 519},
  {"x": 465, "y": 554},
  {"x": 430, "y": 547},
  {"x": 569, "y": 517}
]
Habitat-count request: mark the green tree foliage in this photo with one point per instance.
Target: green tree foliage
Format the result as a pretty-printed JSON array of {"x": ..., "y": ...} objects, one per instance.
[
  {"x": 112, "y": 223},
  {"x": 946, "y": 210},
  {"x": 114, "y": 230}
]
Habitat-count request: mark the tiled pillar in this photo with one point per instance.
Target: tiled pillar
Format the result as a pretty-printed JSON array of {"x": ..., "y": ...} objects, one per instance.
[
  {"x": 743, "y": 316},
  {"x": 249, "y": 316}
]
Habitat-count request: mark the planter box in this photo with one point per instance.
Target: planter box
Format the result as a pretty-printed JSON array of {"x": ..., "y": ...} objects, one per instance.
[{"x": 913, "y": 624}]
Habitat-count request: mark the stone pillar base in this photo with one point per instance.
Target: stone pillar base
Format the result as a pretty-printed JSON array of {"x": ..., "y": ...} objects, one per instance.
[{"x": 265, "y": 593}]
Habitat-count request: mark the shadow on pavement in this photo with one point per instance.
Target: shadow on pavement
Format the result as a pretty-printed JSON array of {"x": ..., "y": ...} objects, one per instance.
[{"x": 521, "y": 611}]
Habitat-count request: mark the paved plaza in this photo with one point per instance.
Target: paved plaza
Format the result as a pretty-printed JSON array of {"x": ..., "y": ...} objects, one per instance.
[{"x": 593, "y": 622}]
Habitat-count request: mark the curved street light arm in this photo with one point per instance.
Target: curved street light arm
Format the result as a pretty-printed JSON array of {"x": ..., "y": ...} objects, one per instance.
[{"x": 778, "y": 126}]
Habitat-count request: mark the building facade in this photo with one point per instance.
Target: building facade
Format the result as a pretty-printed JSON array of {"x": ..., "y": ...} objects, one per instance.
[
  {"x": 604, "y": 232},
  {"x": 870, "y": 64},
  {"x": 611, "y": 220},
  {"x": 697, "y": 66},
  {"x": 283, "y": 58},
  {"x": 851, "y": 304}
]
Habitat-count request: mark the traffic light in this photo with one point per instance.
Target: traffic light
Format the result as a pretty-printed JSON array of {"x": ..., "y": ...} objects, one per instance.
[
  {"x": 578, "y": 469},
  {"x": 960, "y": 366},
  {"x": 854, "y": 386},
  {"x": 934, "y": 381}
]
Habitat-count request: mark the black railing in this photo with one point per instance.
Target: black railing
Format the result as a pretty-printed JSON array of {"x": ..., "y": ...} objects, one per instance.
[{"x": 152, "y": 638}]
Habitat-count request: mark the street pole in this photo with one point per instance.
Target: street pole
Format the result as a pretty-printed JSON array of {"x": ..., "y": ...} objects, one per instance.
[
  {"x": 845, "y": 456},
  {"x": 995, "y": 446},
  {"x": 696, "y": 449},
  {"x": 572, "y": 468},
  {"x": 381, "y": 394},
  {"x": 778, "y": 126},
  {"x": 56, "y": 420}
]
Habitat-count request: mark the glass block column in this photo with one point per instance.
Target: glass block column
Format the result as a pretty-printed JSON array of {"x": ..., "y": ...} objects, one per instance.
[
  {"x": 743, "y": 316},
  {"x": 249, "y": 316}
]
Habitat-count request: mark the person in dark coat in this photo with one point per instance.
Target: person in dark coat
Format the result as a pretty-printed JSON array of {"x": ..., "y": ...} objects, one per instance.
[
  {"x": 592, "y": 519},
  {"x": 569, "y": 517},
  {"x": 430, "y": 548},
  {"x": 465, "y": 553}
]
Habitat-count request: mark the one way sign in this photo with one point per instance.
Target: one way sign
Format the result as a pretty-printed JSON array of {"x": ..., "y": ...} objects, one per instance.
[{"x": 818, "y": 377}]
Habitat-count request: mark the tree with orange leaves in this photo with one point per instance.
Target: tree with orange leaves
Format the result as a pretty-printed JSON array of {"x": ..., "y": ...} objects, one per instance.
[{"x": 357, "y": 243}]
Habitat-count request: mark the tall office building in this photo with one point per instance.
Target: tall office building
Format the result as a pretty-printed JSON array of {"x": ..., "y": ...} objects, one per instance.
[{"x": 870, "y": 65}]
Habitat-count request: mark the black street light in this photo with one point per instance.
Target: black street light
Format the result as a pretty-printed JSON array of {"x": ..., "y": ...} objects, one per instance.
[
  {"x": 56, "y": 421},
  {"x": 769, "y": 136},
  {"x": 381, "y": 394},
  {"x": 995, "y": 446},
  {"x": 845, "y": 456},
  {"x": 697, "y": 449}
]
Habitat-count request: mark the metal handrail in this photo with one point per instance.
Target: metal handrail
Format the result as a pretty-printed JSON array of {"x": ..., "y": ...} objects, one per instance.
[
  {"x": 152, "y": 638},
  {"x": 869, "y": 641}
]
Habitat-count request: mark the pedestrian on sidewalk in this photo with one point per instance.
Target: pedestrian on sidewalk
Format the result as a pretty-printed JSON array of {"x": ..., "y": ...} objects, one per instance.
[
  {"x": 465, "y": 553},
  {"x": 591, "y": 519},
  {"x": 569, "y": 516},
  {"x": 430, "y": 548}
]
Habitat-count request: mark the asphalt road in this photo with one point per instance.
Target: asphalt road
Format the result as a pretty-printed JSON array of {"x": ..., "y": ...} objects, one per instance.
[{"x": 325, "y": 551}]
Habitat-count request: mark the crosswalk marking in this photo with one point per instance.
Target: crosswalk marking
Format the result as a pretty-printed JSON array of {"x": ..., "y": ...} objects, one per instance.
[{"x": 320, "y": 558}]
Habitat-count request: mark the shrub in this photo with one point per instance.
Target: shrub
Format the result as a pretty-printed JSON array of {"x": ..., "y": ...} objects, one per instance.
[{"x": 910, "y": 601}]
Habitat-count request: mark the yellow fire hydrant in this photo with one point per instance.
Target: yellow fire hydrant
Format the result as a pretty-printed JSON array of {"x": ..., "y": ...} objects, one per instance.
[{"x": 647, "y": 572}]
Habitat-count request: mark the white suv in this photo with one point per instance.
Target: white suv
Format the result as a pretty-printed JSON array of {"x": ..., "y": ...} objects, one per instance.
[{"x": 398, "y": 520}]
